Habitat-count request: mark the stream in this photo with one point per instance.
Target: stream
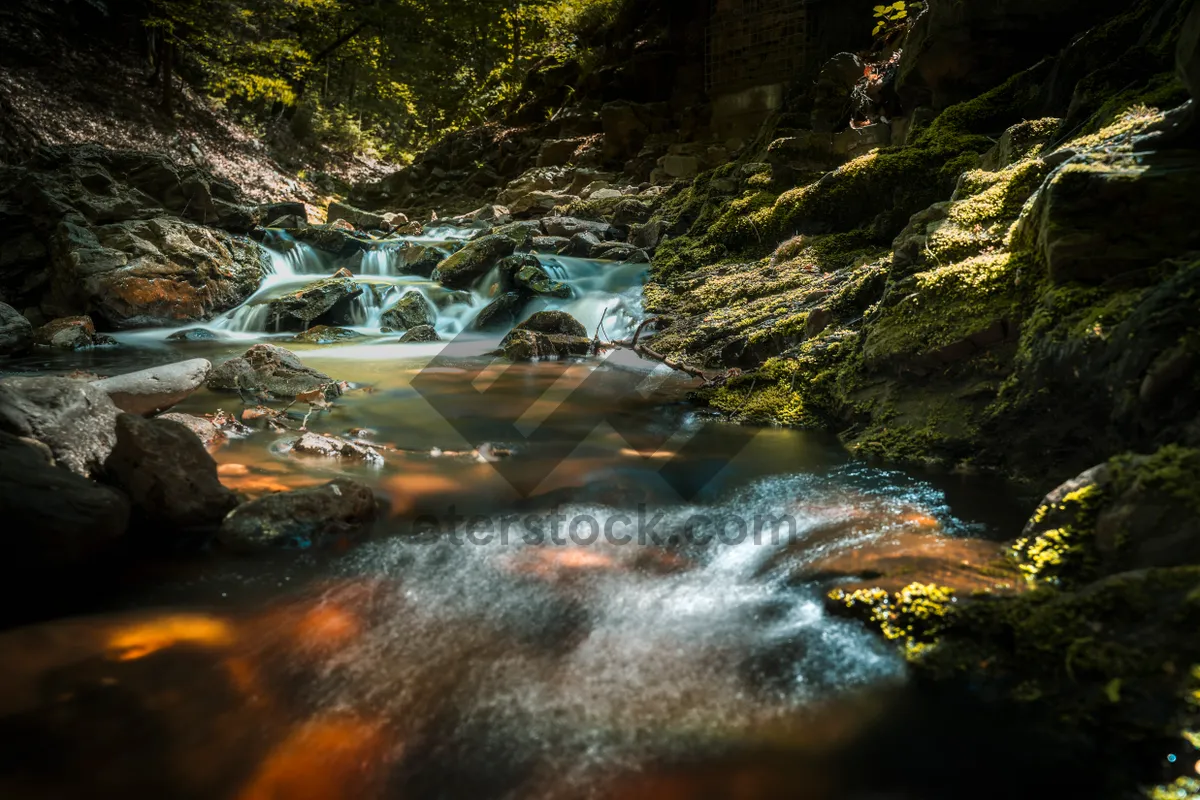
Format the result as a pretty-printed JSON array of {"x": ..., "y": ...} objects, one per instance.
[{"x": 581, "y": 586}]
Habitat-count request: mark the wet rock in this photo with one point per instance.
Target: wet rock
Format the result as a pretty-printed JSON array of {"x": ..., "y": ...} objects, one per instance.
[
  {"x": 63, "y": 518},
  {"x": 619, "y": 251},
  {"x": 422, "y": 334},
  {"x": 558, "y": 322},
  {"x": 337, "y": 242},
  {"x": 16, "y": 332},
  {"x": 413, "y": 228},
  {"x": 411, "y": 311},
  {"x": 152, "y": 390},
  {"x": 501, "y": 313},
  {"x": 364, "y": 220},
  {"x": 69, "y": 333},
  {"x": 75, "y": 420},
  {"x": 168, "y": 475},
  {"x": 205, "y": 429},
  {"x": 466, "y": 266},
  {"x": 325, "y": 334},
  {"x": 527, "y": 276},
  {"x": 325, "y": 302},
  {"x": 569, "y": 226},
  {"x": 196, "y": 335},
  {"x": 300, "y": 519},
  {"x": 420, "y": 260},
  {"x": 316, "y": 444},
  {"x": 270, "y": 369},
  {"x": 550, "y": 244},
  {"x": 582, "y": 244},
  {"x": 155, "y": 272},
  {"x": 526, "y": 345},
  {"x": 521, "y": 233}
]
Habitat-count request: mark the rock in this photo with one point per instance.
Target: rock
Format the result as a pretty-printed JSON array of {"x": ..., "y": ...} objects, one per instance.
[
  {"x": 648, "y": 236},
  {"x": 681, "y": 166},
  {"x": 300, "y": 519},
  {"x": 556, "y": 322},
  {"x": 339, "y": 224},
  {"x": 196, "y": 335},
  {"x": 818, "y": 320},
  {"x": 501, "y": 313},
  {"x": 69, "y": 333},
  {"x": 625, "y": 130},
  {"x": 832, "y": 93},
  {"x": 422, "y": 334},
  {"x": 526, "y": 345},
  {"x": 156, "y": 272},
  {"x": 342, "y": 244},
  {"x": 294, "y": 212},
  {"x": 619, "y": 251},
  {"x": 521, "y": 233},
  {"x": 326, "y": 302},
  {"x": 316, "y": 444},
  {"x": 324, "y": 334},
  {"x": 75, "y": 420},
  {"x": 539, "y": 179},
  {"x": 205, "y": 429},
  {"x": 570, "y": 226},
  {"x": 1104, "y": 214},
  {"x": 536, "y": 203},
  {"x": 605, "y": 194},
  {"x": 168, "y": 475},
  {"x": 468, "y": 265},
  {"x": 855, "y": 141},
  {"x": 413, "y": 228},
  {"x": 557, "y": 152},
  {"x": 550, "y": 244},
  {"x": 271, "y": 369},
  {"x": 396, "y": 219},
  {"x": 364, "y": 220},
  {"x": 288, "y": 223},
  {"x": 533, "y": 278},
  {"x": 152, "y": 390},
  {"x": 63, "y": 518},
  {"x": 16, "y": 332},
  {"x": 582, "y": 244},
  {"x": 411, "y": 311}
]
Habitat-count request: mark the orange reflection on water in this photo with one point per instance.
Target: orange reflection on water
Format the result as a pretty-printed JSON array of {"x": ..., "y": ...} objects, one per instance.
[
  {"x": 141, "y": 639},
  {"x": 322, "y": 759}
]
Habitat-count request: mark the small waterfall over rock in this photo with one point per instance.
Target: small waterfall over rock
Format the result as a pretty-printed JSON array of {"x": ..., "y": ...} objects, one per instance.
[{"x": 605, "y": 296}]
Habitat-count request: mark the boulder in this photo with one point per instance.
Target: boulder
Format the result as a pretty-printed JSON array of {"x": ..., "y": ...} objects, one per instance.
[
  {"x": 168, "y": 475},
  {"x": 205, "y": 429},
  {"x": 570, "y": 226},
  {"x": 1103, "y": 214},
  {"x": 582, "y": 244},
  {"x": 300, "y": 519},
  {"x": 75, "y": 420},
  {"x": 324, "y": 446},
  {"x": 396, "y": 219},
  {"x": 363, "y": 220},
  {"x": 648, "y": 236},
  {"x": 422, "y": 334},
  {"x": 521, "y": 233},
  {"x": 557, "y": 152},
  {"x": 342, "y": 244},
  {"x": 555, "y": 322},
  {"x": 156, "y": 272},
  {"x": 681, "y": 166},
  {"x": 325, "y": 334},
  {"x": 831, "y": 96},
  {"x": 625, "y": 130},
  {"x": 418, "y": 259},
  {"x": 525, "y": 274},
  {"x": 411, "y": 311},
  {"x": 329, "y": 301},
  {"x": 16, "y": 332},
  {"x": 471, "y": 263},
  {"x": 619, "y": 251},
  {"x": 537, "y": 203},
  {"x": 150, "y": 391},
  {"x": 550, "y": 244},
  {"x": 294, "y": 211},
  {"x": 501, "y": 313},
  {"x": 526, "y": 345},
  {"x": 58, "y": 518},
  {"x": 69, "y": 333},
  {"x": 270, "y": 369},
  {"x": 196, "y": 335}
]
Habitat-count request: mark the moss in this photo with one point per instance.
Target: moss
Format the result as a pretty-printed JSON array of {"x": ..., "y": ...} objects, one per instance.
[
  {"x": 1064, "y": 553},
  {"x": 914, "y": 616},
  {"x": 1172, "y": 470}
]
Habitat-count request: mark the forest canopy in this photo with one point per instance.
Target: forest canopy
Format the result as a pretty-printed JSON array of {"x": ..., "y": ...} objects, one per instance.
[{"x": 375, "y": 75}]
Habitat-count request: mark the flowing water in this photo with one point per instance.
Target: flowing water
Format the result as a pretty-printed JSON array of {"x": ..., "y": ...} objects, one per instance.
[{"x": 580, "y": 587}]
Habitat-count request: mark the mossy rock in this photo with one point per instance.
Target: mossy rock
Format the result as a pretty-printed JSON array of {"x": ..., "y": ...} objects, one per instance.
[
  {"x": 471, "y": 263},
  {"x": 410, "y": 311},
  {"x": 558, "y": 323},
  {"x": 324, "y": 334}
]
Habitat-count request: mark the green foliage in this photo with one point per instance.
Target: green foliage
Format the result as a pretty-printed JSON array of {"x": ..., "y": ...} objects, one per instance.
[
  {"x": 363, "y": 75},
  {"x": 896, "y": 17}
]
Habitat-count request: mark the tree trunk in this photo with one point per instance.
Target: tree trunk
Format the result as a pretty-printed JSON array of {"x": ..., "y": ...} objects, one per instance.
[{"x": 166, "y": 63}]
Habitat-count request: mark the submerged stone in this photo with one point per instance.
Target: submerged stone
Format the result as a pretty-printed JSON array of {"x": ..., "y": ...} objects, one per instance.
[
  {"x": 271, "y": 369},
  {"x": 300, "y": 519},
  {"x": 325, "y": 334}
]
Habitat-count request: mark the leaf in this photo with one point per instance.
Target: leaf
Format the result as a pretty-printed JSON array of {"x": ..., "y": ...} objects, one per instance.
[
  {"x": 878, "y": 28},
  {"x": 899, "y": 16},
  {"x": 880, "y": 9}
]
